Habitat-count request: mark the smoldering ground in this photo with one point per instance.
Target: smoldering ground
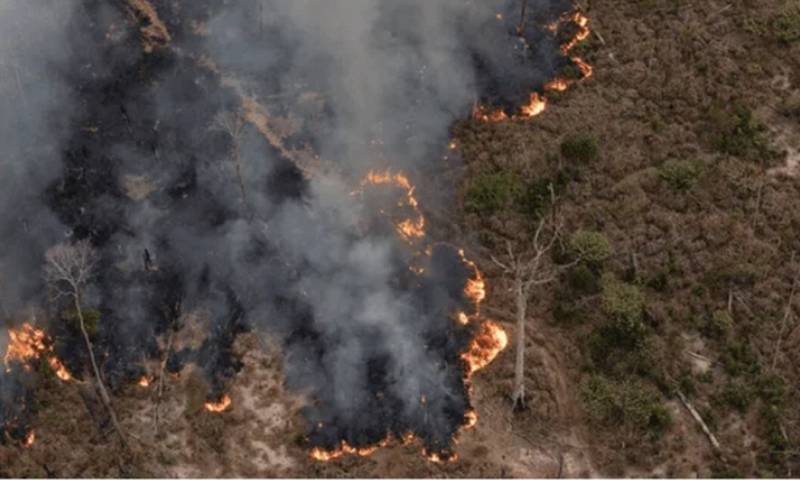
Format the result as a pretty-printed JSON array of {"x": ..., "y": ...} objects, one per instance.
[{"x": 190, "y": 217}]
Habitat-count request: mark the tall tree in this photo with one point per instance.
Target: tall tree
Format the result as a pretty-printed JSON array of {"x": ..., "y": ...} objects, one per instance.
[{"x": 69, "y": 268}]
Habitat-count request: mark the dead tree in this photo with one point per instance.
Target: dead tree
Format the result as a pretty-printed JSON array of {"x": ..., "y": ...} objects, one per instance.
[
  {"x": 232, "y": 123},
  {"x": 522, "y": 15},
  {"x": 529, "y": 269},
  {"x": 68, "y": 269}
]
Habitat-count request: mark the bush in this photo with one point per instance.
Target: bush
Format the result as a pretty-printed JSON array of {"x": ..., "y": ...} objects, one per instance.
[
  {"x": 584, "y": 280},
  {"x": 719, "y": 324},
  {"x": 679, "y": 175},
  {"x": 625, "y": 403},
  {"x": 737, "y": 133},
  {"x": 738, "y": 395},
  {"x": 535, "y": 197},
  {"x": 787, "y": 24},
  {"x": 581, "y": 148},
  {"x": 738, "y": 359},
  {"x": 592, "y": 247},
  {"x": 490, "y": 193},
  {"x": 624, "y": 303}
]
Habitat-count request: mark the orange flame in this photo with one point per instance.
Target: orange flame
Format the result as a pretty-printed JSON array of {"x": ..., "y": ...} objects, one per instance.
[
  {"x": 470, "y": 419},
  {"x": 583, "y": 32},
  {"x": 29, "y": 439},
  {"x": 29, "y": 343},
  {"x": 219, "y": 407},
  {"x": 409, "y": 228},
  {"x": 536, "y": 106},
  {"x": 344, "y": 449},
  {"x": 489, "y": 342},
  {"x": 144, "y": 382}
]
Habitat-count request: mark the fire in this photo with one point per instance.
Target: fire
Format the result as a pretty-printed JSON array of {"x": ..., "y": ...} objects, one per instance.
[
  {"x": 144, "y": 382},
  {"x": 345, "y": 449},
  {"x": 29, "y": 343},
  {"x": 29, "y": 439},
  {"x": 585, "y": 68},
  {"x": 463, "y": 319},
  {"x": 557, "y": 85},
  {"x": 220, "y": 406},
  {"x": 436, "y": 458},
  {"x": 536, "y": 106},
  {"x": 471, "y": 419},
  {"x": 489, "y": 342},
  {"x": 583, "y": 32},
  {"x": 409, "y": 228},
  {"x": 538, "y": 103}
]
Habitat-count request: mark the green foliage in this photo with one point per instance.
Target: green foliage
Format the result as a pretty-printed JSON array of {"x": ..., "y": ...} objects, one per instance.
[
  {"x": 535, "y": 197},
  {"x": 91, "y": 319},
  {"x": 580, "y": 148},
  {"x": 679, "y": 175},
  {"x": 738, "y": 133},
  {"x": 719, "y": 324},
  {"x": 624, "y": 303},
  {"x": 592, "y": 247},
  {"x": 786, "y": 25},
  {"x": 489, "y": 193},
  {"x": 583, "y": 279},
  {"x": 625, "y": 403},
  {"x": 739, "y": 359},
  {"x": 738, "y": 394},
  {"x": 658, "y": 282}
]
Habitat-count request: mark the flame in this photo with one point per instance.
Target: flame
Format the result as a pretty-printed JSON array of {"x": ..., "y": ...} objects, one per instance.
[
  {"x": 452, "y": 145},
  {"x": 220, "y": 406},
  {"x": 29, "y": 439},
  {"x": 144, "y": 382},
  {"x": 409, "y": 228},
  {"x": 585, "y": 68},
  {"x": 489, "y": 342},
  {"x": 345, "y": 449},
  {"x": 29, "y": 343},
  {"x": 557, "y": 85},
  {"x": 536, "y": 106},
  {"x": 583, "y": 32},
  {"x": 463, "y": 319},
  {"x": 470, "y": 419},
  {"x": 436, "y": 458},
  {"x": 538, "y": 103}
]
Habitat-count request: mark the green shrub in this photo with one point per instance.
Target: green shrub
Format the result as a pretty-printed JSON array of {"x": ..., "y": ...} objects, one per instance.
[
  {"x": 719, "y": 324},
  {"x": 535, "y": 197},
  {"x": 581, "y": 148},
  {"x": 738, "y": 395},
  {"x": 492, "y": 192},
  {"x": 738, "y": 133},
  {"x": 584, "y": 280},
  {"x": 624, "y": 303},
  {"x": 787, "y": 24},
  {"x": 658, "y": 282},
  {"x": 679, "y": 175},
  {"x": 738, "y": 359},
  {"x": 625, "y": 403},
  {"x": 591, "y": 247}
]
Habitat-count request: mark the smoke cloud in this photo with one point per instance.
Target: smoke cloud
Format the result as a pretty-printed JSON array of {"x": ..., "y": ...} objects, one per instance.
[{"x": 193, "y": 215}]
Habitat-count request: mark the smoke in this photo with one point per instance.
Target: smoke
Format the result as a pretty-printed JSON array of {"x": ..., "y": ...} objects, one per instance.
[{"x": 188, "y": 217}]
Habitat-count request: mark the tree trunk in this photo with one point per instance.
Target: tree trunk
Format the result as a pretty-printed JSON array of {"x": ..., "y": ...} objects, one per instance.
[
  {"x": 521, "y": 25},
  {"x": 100, "y": 385},
  {"x": 518, "y": 395}
]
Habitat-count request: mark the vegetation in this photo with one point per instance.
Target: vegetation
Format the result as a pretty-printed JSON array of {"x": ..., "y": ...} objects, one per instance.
[
  {"x": 787, "y": 24},
  {"x": 632, "y": 404},
  {"x": 580, "y": 148},
  {"x": 679, "y": 175},
  {"x": 593, "y": 248},
  {"x": 492, "y": 192}
]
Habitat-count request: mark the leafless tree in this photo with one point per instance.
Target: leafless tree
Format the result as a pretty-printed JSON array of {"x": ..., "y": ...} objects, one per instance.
[
  {"x": 527, "y": 269},
  {"x": 232, "y": 123},
  {"x": 522, "y": 17},
  {"x": 68, "y": 270}
]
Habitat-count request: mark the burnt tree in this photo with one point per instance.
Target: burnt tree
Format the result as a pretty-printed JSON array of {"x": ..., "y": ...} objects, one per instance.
[{"x": 68, "y": 270}]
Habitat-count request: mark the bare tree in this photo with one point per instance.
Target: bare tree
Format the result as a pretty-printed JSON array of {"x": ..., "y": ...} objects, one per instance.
[
  {"x": 529, "y": 269},
  {"x": 522, "y": 17},
  {"x": 68, "y": 269},
  {"x": 232, "y": 123}
]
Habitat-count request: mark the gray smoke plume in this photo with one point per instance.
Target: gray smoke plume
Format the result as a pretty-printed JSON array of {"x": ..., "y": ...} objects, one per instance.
[{"x": 191, "y": 217}]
